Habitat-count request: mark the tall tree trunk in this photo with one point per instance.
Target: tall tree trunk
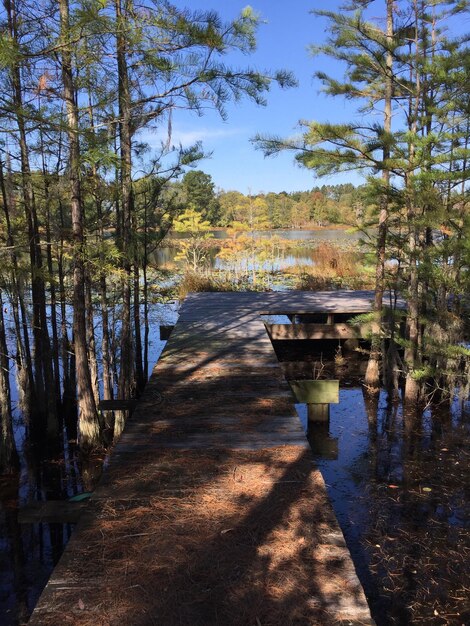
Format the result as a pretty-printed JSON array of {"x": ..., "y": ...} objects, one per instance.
[
  {"x": 139, "y": 371},
  {"x": 145, "y": 295},
  {"x": 106, "y": 355},
  {"x": 69, "y": 396},
  {"x": 23, "y": 351},
  {"x": 127, "y": 206},
  {"x": 52, "y": 290},
  {"x": 412, "y": 356},
  {"x": 105, "y": 343},
  {"x": 71, "y": 401},
  {"x": 372, "y": 377},
  {"x": 43, "y": 373},
  {"x": 90, "y": 332},
  {"x": 105, "y": 339},
  {"x": 412, "y": 386},
  {"x": 88, "y": 419},
  {"x": 138, "y": 364},
  {"x": 8, "y": 455}
]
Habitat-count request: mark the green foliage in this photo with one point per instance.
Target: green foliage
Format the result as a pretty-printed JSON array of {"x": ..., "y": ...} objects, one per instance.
[
  {"x": 9, "y": 52},
  {"x": 322, "y": 206},
  {"x": 413, "y": 75},
  {"x": 190, "y": 221},
  {"x": 423, "y": 374},
  {"x": 200, "y": 195},
  {"x": 193, "y": 250}
]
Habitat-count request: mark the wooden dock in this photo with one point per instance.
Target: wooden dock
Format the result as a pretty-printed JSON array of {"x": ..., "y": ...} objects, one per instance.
[{"x": 211, "y": 509}]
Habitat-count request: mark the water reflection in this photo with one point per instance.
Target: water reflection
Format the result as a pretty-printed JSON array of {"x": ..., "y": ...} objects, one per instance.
[
  {"x": 29, "y": 550},
  {"x": 164, "y": 256},
  {"x": 292, "y": 234},
  {"x": 399, "y": 485}
]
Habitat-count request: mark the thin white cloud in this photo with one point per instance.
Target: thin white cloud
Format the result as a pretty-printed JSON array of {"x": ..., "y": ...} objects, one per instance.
[{"x": 189, "y": 137}]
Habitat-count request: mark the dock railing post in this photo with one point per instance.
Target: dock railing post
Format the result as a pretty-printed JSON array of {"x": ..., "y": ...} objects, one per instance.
[{"x": 317, "y": 395}]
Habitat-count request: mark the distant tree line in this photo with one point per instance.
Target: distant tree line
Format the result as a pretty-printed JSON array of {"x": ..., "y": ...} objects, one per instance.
[{"x": 320, "y": 206}]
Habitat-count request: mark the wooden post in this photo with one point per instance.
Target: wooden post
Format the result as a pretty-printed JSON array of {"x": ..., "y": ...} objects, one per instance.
[
  {"x": 316, "y": 391},
  {"x": 165, "y": 332},
  {"x": 317, "y": 395},
  {"x": 318, "y": 413}
]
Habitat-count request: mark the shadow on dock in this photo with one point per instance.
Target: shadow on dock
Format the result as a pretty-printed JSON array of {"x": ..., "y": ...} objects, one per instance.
[{"x": 211, "y": 510}]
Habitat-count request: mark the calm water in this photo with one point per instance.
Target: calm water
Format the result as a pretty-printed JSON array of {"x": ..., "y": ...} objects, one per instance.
[
  {"x": 29, "y": 552},
  {"x": 282, "y": 258},
  {"x": 400, "y": 490},
  {"x": 323, "y": 234}
]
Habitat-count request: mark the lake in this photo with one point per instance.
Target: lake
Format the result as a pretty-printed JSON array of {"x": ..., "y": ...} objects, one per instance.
[{"x": 301, "y": 254}]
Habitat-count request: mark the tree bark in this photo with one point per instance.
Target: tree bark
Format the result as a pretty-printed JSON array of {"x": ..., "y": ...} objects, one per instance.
[
  {"x": 127, "y": 206},
  {"x": 43, "y": 373},
  {"x": 88, "y": 421},
  {"x": 8, "y": 455},
  {"x": 90, "y": 332},
  {"x": 52, "y": 290},
  {"x": 412, "y": 357},
  {"x": 69, "y": 395},
  {"x": 139, "y": 371},
  {"x": 372, "y": 377}
]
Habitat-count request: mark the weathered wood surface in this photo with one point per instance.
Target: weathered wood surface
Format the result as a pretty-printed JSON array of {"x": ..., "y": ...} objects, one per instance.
[
  {"x": 52, "y": 511},
  {"x": 280, "y": 332},
  {"x": 211, "y": 509},
  {"x": 315, "y": 391}
]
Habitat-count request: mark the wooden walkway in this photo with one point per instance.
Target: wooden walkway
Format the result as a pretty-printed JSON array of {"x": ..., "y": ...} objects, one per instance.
[{"x": 211, "y": 509}]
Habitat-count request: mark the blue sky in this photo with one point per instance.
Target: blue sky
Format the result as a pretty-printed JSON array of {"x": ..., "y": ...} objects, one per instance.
[
  {"x": 282, "y": 43},
  {"x": 288, "y": 30}
]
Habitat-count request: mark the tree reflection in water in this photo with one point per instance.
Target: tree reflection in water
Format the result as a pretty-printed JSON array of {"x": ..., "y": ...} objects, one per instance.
[
  {"x": 399, "y": 487},
  {"x": 29, "y": 551}
]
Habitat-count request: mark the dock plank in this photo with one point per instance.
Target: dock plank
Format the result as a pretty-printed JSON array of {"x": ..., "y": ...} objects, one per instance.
[{"x": 211, "y": 509}]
